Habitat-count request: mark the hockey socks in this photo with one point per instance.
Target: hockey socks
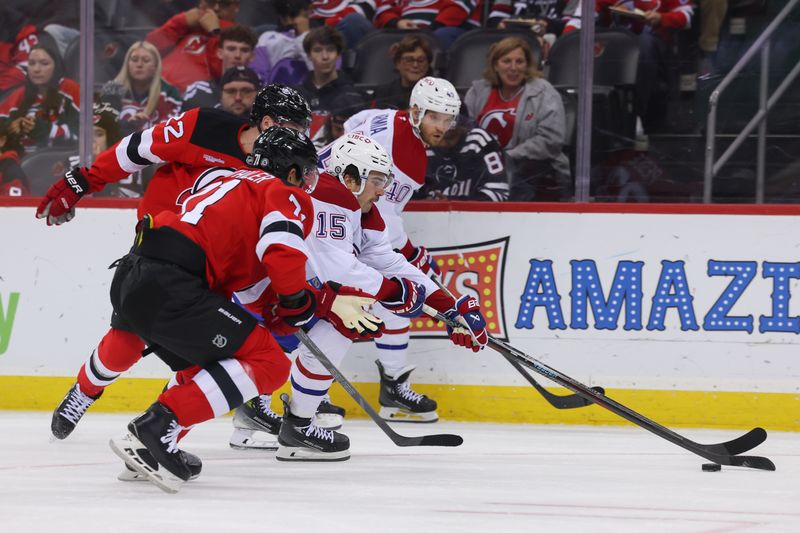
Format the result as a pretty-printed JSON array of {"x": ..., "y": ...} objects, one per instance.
[{"x": 117, "y": 352}]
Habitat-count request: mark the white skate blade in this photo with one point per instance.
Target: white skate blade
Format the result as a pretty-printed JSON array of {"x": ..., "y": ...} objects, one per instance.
[
  {"x": 329, "y": 421},
  {"x": 396, "y": 414},
  {"x": 290, "y": 453},
  {"x": 250, "y": 439},
  {"x": 126, "y": 449}
]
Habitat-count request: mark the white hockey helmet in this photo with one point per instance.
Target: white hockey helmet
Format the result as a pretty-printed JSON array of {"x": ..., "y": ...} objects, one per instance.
[
  {"x": 362, "y": 152},
  {"x": 434, "y": 94}
]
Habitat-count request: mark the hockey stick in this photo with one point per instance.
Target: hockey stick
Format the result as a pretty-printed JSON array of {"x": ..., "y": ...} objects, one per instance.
[
  {"x": 726, "y": 453},
  {"x": 569, "y": 401},
  {"x": 442, "y": 439}
]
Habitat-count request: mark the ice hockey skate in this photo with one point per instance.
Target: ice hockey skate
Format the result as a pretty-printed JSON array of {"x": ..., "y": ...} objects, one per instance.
[
  {"x": 300, "y": 439},
  {"x": 329, "y": 415},
  {"x": 151, "y": 448},
  {"x": 192, "y": 461},
  {"x": 255, "y": 425},
  {"x": 70, "y": 411},
  {"x": 399, "y": 403}
]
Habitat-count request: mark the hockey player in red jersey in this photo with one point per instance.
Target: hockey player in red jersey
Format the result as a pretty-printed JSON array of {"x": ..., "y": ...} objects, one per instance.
[
  {"x": 433, "y": 108},
  {"x": 174, "y": 290},
  {"x": 196, "y": 147},
  {"x": 349, "y": 244}
]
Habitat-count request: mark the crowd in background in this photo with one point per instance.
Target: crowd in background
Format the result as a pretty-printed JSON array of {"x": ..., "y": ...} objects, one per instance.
[{"x": 198, "y": 53}]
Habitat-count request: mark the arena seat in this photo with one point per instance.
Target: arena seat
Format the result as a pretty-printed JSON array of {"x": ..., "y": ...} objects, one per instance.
[
  {"x": 369, "y": 64},
  {"x": 45, "y": 166},
  {"x": 616, "y": 57},
  {"x": 466, "y": 59}
]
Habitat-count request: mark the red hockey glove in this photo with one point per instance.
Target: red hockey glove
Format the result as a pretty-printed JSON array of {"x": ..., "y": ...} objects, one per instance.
[
  {"x": 291, "y": 312},
  {"x": 420, "y": 258},
  {"x": 408, "y": 303},
  {"x": 58, "y": 204},
  {"x": 343, "y": 307},
  {"x": 473, "y": 334}
]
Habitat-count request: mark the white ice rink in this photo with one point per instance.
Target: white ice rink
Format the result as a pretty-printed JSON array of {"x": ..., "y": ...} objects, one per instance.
[{"x": 505, "y": 478}]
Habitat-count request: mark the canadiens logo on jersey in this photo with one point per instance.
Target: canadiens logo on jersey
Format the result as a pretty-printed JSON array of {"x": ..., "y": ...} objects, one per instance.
[{"x": 476, "y": 270}]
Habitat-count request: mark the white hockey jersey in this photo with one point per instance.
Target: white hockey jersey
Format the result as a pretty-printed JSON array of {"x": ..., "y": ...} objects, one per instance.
[
  {"x": 351, "y": 248},
  {"x": 393, "y": 130}
]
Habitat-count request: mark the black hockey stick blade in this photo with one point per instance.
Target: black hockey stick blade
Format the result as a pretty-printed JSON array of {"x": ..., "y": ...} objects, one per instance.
[
  {"x": 442, "y": 439},
  {"x": 714, "y": 452},
  {"x": 741, "y": 444}
]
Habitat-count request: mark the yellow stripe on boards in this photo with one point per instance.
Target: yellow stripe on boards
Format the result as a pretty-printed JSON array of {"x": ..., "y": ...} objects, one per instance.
[{"x": 472, "y": 403}]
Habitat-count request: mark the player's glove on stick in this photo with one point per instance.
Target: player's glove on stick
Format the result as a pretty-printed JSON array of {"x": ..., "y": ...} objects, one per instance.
[
  {"x": 291, "y": 312},
  {"x": 408, "y": 301},
  {"x": 343, "y": 307},
  {"x": 58, "y": 204},
  {"x": 420, "y": 258},
  {"x": 473, "y": 334}
]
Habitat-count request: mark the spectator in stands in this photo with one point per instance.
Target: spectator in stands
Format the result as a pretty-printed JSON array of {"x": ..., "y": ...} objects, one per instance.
[
  {"x": 546, "y": 18},
  {"x": 467, "y": 165},
  {"x": 412, "y": 57},
  {"x": 236, "y": 45},
  {"x": 13, "y": 181},
  {"x": 353, "y": 18},
  {"x": 188, "y": 42},
  {"x": 14, "y": 57},
  {"x": 160, "y": 11},
  {"x": 446, "y": 18},
  {"x": 526, "y": 116},
  {"x": 239, "y": 88},
  {"x": 712, "y": 13},
  {"x": 279, "y": 56},
  {"x": 324, "y": 83},
  {"x": 654, "y": 28},
  {"x": 45, "y": 111},
  {"x": 146, "y": 98}
]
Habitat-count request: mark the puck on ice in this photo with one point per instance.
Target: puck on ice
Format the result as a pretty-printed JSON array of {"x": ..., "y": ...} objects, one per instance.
[{"x": 711, "y": 467}]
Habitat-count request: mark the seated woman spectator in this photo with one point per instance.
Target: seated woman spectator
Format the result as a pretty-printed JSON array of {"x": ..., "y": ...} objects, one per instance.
[
  {"x": 526, "y": 116},
  {"x": 412, "y": 57},
  {"x": 146, "y": 98},
  {"x": 45, "y": 111}
]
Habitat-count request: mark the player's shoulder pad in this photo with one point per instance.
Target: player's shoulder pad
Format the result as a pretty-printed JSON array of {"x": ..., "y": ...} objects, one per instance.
[
  {"x": 373, "y": 220},
  {"x": 287, "y": 199},
  {"x": 332, "y": 191},
  {"x": 408, "y": 151}
]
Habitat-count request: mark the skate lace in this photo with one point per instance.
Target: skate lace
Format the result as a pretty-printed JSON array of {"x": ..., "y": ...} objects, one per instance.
[
  {"x": 405, "y": 392},
  {"x": 171, "y": 437},
  {"x": 317, "y": 432},
  {"x": 76, "y": 406},
  {"x": 265, "y": 408}
]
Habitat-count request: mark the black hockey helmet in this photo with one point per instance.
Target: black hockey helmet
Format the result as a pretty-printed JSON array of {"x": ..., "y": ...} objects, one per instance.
[
  {"x": 282, "y": 104},
  {"x": 279, "y": 149}
]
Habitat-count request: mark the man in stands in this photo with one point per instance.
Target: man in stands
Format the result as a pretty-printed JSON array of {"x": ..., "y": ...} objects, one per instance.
[
  {"x": 188, "y": 42},
  {"x": 236, "y": 44}
]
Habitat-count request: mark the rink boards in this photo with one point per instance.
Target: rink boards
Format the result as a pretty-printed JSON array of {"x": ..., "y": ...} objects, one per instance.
[{"x": 685, "y": 313}]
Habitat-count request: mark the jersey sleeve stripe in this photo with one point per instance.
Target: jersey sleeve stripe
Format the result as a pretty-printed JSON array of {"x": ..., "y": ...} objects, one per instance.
[
  {"x": 146, "y": 146},
  {"x": 133, "y": 150},
  {"x": 285, "y": 238},
  {"x": 252, "y": 293},
  {"x": 283, "y": 225},
  {"x": 124, "y": 161},
  {"x": 275, "y": 216}
]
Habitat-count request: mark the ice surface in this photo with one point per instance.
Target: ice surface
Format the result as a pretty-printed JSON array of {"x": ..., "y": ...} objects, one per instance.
[{"x": 505, "y": 478}]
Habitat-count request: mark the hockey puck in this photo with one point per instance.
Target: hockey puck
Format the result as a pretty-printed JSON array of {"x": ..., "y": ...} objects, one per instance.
[{"x": 711, "y": 467}]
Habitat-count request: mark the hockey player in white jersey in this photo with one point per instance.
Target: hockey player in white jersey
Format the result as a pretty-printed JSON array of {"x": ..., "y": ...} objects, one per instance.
[
  {"x": 433, "y": 108},
  {"x": 349, "y": 244}
]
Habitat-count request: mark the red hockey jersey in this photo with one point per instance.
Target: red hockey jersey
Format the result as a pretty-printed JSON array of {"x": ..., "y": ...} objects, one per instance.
[
  {"x": 194, "y": 146},
  {"x": 251, "y": 226}
]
